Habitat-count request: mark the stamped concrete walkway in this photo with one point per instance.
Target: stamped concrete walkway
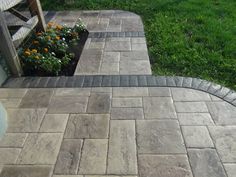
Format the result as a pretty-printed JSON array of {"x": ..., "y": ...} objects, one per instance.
[
  {"x": 128, "y": 132},
  {"x": 117, "y": 131}
]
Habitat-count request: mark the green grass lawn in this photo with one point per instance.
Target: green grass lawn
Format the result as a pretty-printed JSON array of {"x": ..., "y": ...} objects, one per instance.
[{"x": 194, "y": 38}]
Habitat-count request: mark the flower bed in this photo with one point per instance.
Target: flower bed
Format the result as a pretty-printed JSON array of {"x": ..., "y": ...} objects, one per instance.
[{"x": 54, "y": 52}]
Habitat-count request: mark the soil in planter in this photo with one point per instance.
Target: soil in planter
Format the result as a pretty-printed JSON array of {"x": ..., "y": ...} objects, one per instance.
[{"x": 70, "y": 68}]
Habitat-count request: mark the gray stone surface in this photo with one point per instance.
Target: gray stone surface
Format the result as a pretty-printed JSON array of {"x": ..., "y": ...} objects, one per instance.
[
  {"x": 69, "y": 157},
  {"x": 222, "y": 113},
  {"x": 164, "y": 166},
  {"x": 135, "y": 55},
  {"x": 180, "y": 94},
  {"x": 73, "y": 92},
  {"x": 40, "y": 148},
  {"x": 130, "y": 91},
  {"x": 11, "y": 102},
  {"x": 195, "y": 119},
  {"x": 127, "y": 102},
  {"x": 158, "y": 107},
  {"x": 27, "y": 171},
  {"x": 88, "y": 126},
  {"x": 118, "y": 44},
  {"x": 94, "y": 157},
  {"x": 230, "y": 169},
  {"x": 191, "y": 107},
  {"x": 127, "y": 113},
  {"x": 12, "y": 93},
  {"x": 99, "y": 103},
  {"x": 24, "y": 120},
  {"x": 36, "y": 98},
  {"x": 131, "y": 67},
  {"x": 197, "y": 137},
  {"x": 13, "y": 140},
  {"x": 205, "y": 162},
  {"x": 122, "y": 159},
  {"x": 225, "y": 142},
  {"x": 159, "y": 137},
  {"x": 54, "y": 123},
  {"x": 159, "y": 91},
  {"x": 9, "y": 155},
  {"x": 64, "y": 105}
]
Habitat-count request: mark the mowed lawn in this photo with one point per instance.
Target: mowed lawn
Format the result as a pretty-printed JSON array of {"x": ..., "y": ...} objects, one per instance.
[{"x": 194, "y": 38}]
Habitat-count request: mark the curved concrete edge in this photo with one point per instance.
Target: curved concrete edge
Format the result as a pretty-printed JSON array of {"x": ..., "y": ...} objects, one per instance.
[
  {"x": 3, "y": 120},
  {"x": 83, "y": 81}
]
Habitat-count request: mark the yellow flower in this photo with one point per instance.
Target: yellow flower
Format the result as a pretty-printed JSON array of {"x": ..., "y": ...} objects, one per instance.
[
  {"x": 58, "y": 38},
  {"x": 35, "y": 42},
  {"x": 34, "y": 51},
  {"x": 36, "y": 57},
  {"x": 45, "y": 50},
  {"x": 59, "y": 27},
  {"x": 50, "y": 24},
  {"x": 48, "y": 37},
  {"x": 27, "y": 53}
]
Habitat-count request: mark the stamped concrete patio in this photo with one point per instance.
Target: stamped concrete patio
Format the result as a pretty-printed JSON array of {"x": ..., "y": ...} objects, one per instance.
[
  {"x": 99, "y": 132},
  {"x": 116, "y": 131}
]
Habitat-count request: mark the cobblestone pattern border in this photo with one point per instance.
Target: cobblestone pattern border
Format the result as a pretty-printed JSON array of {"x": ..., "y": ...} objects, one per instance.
[
  {"x": 116, "y": 34},
  {"x": 123, "y": 81}
]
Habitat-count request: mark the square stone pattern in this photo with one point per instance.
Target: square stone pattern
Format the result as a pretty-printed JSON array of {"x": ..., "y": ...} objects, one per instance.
[
  {"x": 158, "y": 107},
  {"x": 164, "y": 166},
  {"x": 159, "y": 137},
  {"x": 87, "y": 126},
  {"x": 99, "y": 103},
  {"x": 36, "y": 98}
]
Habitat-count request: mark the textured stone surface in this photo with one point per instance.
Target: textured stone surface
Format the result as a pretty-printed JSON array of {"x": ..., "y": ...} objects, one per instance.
[
  {"x": 64, "y": 105},
  {"x": 87, "y": 126},
  {"x": 13, "y": 140},
  {"x": 230, "y": 169},
  {"x": 127, "y": 113},
  {"x": 158, "y": 107},
  {"x": 159, "y": 91},
  {"x": 12, "y": 93},
  {"x": 225, "y": 142},
  {"x": 11, "y": 102},
  {"x": 122, "y": 157},
  {"x": 40, "y": 148},
  {"x": 27, "y": 171},
  {"x": 94, "y": 157},
  {"x": 129, "y": 92},
  {"x": 69, "y": 157},
  {"x": 127, "y": 102},
  {"x": 159, "y": 136},
  {"x": 197, "y": 137},
  {"x": 73, "y": 92},
  {"x": 136, "y": 55},
  {"x": 191, "y": 107},
  {"x": 36, "y": 98},
  {"x": 164, "y": 166},
  {"x": 25, "y": 120},
  {"x": 205, "y": 162},
  {"x": 9, "y": 155},
  {"x": 180, "y": 94},
  {"x": 99, "y": 103},
  {"x": 195, "y": 119},
  {"x": 222, "y": 113},
  {"x": 54, "y": 123}
]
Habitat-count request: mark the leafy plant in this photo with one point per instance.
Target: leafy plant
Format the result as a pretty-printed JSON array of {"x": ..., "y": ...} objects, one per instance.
[{"x": 47, "y": 52}]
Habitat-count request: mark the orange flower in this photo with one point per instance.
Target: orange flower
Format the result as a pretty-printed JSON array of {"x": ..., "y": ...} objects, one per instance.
[
  {"x": 58, "y": 38},
  {"x": 59, "y": 27},
  {"x": 50, "y": 24},
  {"x": 34, "y": 51},
  {"x": 45, "y": 50},
  {"x": 35, "y": 42},
  {"x": 27, "y": 53},
  {"x": 39, "y": 34}
]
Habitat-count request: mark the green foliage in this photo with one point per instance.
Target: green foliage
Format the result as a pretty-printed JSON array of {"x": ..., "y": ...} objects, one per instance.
[
  {"x": 47, "y": 52},
  {"x": 185, "y": 37}
]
